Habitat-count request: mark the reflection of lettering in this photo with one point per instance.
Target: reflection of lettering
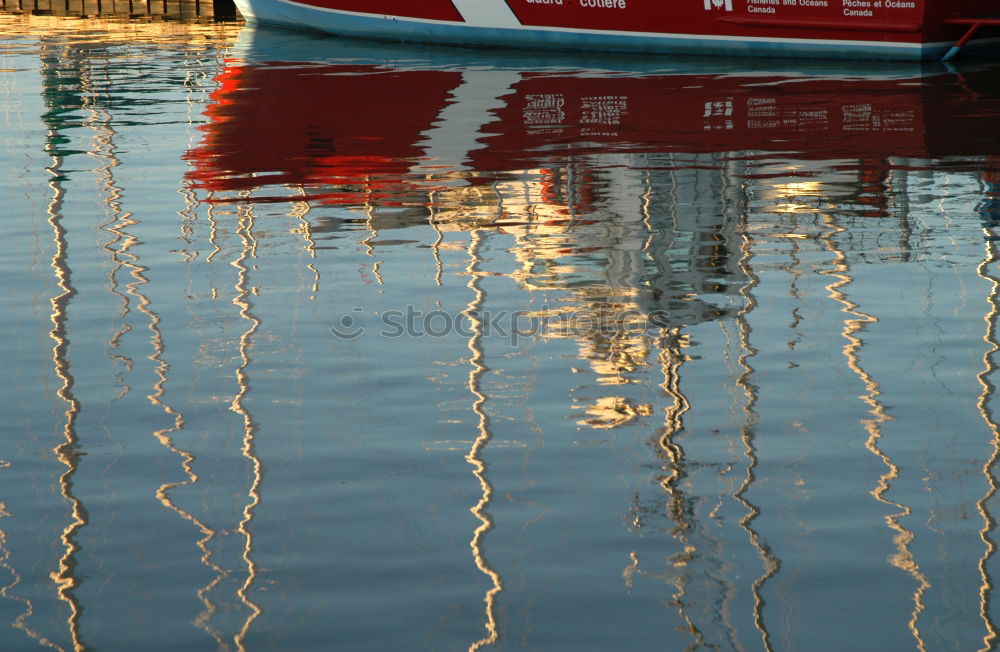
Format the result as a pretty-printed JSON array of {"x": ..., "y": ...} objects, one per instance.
[
  {"x": 721, "y": 111},
  {"x": 719, "y": 4},
  {"x": 857, "y": 117},
  {"x": 604, "y": 110},
  {"x": 899, "y": 120},
  {"x": 716, "y": 108},
  {"x": 862, "y": 117},
  {"x": 812, "y": 120},
  {"x": 544, "y": 109},
  {"x": 761, "y": 101},
  {"x": 765, "y": 113}
]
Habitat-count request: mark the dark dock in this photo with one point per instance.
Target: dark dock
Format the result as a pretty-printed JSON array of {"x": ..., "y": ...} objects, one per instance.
[{"x": 155, "y": 9}]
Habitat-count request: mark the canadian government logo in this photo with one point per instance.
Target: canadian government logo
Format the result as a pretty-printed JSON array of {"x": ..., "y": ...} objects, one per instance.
[{"x": 719, "y": 4}]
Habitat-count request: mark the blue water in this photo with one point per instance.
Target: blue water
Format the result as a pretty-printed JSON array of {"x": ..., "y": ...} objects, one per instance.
[{"x": 317, "y": 344}]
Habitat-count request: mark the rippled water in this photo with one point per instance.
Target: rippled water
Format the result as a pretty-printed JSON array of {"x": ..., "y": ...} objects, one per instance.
[{"x": 316, "y": 344}]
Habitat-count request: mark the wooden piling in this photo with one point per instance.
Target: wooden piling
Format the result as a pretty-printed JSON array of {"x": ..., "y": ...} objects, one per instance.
[{"x": 185, "y": 10}]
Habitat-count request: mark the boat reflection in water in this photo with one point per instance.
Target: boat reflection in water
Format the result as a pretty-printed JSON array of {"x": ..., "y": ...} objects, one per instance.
[{"x": 693, "y": 232}]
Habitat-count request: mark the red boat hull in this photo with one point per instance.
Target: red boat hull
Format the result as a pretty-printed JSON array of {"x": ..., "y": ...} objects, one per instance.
[{"x": 885, "y": 29}]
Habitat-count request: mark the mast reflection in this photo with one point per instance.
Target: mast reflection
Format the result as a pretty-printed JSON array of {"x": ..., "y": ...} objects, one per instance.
[
  {"x": 679, "y": 509},
  {"x": 120, "y": 242},
  {"x": 748, "y": 433},
  {"x": 474, "y": 457},
  {"x": 300, "y": 211},
  {"x": 7, "y": 591},
  {"x": 855, "y": 323},
  {"x": 123, "y": 248},
  {"x": 69, "y": 451},
  {"x": 545, "y": 167},
  {"x": 77, "y": 76},
  {"x": 989, "y": 210},
  {"x": 249, "y": 450}
]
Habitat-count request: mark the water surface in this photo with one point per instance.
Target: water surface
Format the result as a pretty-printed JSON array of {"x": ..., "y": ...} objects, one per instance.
[{"x": 319, "y": 344}]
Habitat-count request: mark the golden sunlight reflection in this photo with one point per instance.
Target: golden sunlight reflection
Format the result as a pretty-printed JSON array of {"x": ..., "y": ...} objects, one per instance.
[
  {"x": 678, "y": 508},
  {"x": 855, "y": 323},
  {"x": 748, "y": 435},
  {"x": 990, "y": 260},
  {"x": 120, "y": 241},
  {"x": 7, "y": 591},
  {"x": 372, "y": 236},
  {"x": 672, "y": 471},
  {"x": 187, "y": 460},
  {"x": 244, "y": 291},
  {"x": 68, "y": 452},
  {"x": 477, "y": 371},
  {"x": 432, "y": 219},
  {"x": 794, "y": 197},
  {"x": 556, "y": 240},
  {"x": 300, "y": 211},
  {"x": 124, "y": 254}
]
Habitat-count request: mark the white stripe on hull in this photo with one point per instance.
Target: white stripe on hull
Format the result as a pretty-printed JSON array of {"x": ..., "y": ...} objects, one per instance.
[{"x": 486, "y": 13}]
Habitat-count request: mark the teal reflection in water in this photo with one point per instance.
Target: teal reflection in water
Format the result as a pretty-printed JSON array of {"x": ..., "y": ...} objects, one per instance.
[{"x": 325, "y": 344}]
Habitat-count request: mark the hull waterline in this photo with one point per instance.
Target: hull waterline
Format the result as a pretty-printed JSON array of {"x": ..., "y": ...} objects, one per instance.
[{"x": 906, "y": 30}]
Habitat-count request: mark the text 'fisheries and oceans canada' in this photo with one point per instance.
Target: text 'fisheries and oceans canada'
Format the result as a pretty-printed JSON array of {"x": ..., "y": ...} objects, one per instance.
[
  {"x": 866, "y": 7},
  {"x": 859, "y": 8},
  {"x": 854, "y": 8},
  {"x": 770, "y": 6}
]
